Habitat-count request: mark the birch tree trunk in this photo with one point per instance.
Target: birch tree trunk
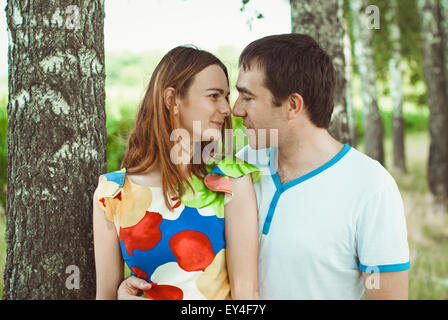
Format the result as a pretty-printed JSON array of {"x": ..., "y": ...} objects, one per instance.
[
  {"x": 435, "y": 74},
  {"x": 444, "y": 24},
  {"x": 373, "y": 126},
  {"x": 323, "y": 20},
  {"x": 348, "y": 90},
  {"x": 56, "y": 146},
  {"x": 396, "y": 88}
]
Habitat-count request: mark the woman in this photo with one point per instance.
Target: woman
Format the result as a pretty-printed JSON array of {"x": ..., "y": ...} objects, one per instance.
[{"x": 163, "y": 213}]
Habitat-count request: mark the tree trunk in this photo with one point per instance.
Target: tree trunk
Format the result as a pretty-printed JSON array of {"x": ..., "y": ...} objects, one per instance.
[
  {"x": 348, "y": 90},
  {"x": 396, "y": 89},
  {"x": 373, "y": 126},
  {"x": 323, "y": 20},
  {"x": 444, "y": 24},
  {"x": 434, "y": 67},
  {"x": 56, "y": 144}
]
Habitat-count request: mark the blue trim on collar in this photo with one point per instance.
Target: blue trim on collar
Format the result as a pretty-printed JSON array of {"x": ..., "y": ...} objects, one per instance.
[{"x": 283, "y": 187}]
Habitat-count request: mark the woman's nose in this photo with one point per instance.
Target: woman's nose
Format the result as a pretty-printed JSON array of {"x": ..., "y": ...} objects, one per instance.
[{"x": 224, "y": 108}]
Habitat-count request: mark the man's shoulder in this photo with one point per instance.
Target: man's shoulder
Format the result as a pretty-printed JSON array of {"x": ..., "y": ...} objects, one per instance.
[{"x": 367, "y": 171}]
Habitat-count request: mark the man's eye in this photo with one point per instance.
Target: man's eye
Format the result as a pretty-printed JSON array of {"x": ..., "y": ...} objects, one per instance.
[
  {"x": 214, "y": 95},
  {"x": 247, "y": 99}
]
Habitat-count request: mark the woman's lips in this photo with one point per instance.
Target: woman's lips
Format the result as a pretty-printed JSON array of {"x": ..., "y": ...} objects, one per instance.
[{"x": 217, "y": 123}]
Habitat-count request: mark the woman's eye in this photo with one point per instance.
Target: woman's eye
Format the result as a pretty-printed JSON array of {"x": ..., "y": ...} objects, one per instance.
[
  {"x": 214, "y": 96},
  {"x": 246, "y": 99}
]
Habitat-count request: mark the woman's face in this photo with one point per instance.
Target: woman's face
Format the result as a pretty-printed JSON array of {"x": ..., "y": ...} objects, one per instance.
[{"x": 206, "y": 105}]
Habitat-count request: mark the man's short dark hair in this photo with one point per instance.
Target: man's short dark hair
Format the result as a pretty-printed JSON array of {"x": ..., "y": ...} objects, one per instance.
[{"x": 295, "y": 63}]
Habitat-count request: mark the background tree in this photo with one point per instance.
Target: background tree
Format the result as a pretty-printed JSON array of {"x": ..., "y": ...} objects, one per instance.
[
  {"x": 362, "y": 37},
  {"x": 435, "y": 74},
  {"x": 324, "y": 21},
  {"x": 348, "y": 89},
  {"x": 56, "y": 144},
  {"x": 396, "y": 91},
  {"x": 444, "y": 31}
]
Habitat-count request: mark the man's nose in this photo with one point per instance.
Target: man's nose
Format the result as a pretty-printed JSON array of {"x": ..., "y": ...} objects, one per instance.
[{"x": 238, "y": 110}]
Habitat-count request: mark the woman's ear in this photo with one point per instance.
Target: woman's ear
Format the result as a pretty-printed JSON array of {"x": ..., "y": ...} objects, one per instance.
[
  {"x": 169, "y": 97},
  {"x": 295, "y": 105}
]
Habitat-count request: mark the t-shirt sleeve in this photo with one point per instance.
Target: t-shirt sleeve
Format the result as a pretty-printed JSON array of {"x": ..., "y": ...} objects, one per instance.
[{"x": 381, "y": 232}]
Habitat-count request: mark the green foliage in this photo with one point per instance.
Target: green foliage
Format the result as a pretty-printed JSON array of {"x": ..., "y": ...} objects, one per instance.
[
  {"x": 410, "y": 42},
  {"x": 118, "y": 131},
  {"x": 131, "y": 69},
  {"x": 414, "y": 122}
]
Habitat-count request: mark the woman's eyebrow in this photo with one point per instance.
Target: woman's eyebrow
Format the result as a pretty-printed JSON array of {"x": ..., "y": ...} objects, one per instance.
[{"x": 221, "y": 91}]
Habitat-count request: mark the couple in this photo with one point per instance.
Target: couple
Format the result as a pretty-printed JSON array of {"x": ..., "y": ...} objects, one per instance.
[{"x": 300, "y": 216}]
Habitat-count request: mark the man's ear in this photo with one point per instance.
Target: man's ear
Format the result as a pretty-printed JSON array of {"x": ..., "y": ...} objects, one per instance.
[
  {"x": 295, "y": 105},
  {"x": 169, "y": 97}
]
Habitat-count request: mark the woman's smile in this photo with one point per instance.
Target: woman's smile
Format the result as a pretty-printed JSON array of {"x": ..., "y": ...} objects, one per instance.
[{"x": 218, "y": 124}]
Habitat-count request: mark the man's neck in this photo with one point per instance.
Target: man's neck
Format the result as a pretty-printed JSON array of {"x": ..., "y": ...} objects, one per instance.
[{"x": 297, "y": 157}]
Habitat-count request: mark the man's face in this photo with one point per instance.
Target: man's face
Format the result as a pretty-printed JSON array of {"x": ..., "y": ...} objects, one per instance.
[{"x": 261, "y": 117}]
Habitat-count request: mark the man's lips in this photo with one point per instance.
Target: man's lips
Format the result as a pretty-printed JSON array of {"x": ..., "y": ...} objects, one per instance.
[{"x": 247, "y": 125}]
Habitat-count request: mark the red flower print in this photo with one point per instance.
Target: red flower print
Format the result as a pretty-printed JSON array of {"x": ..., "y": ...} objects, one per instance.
[
  {"x": 192, "y": 249},
  {"x": 118, "y": 196},
  {"x": 139, "y": 272},
  {"x": 144, "y": 235},
  {"x": 164, "y": 292}
]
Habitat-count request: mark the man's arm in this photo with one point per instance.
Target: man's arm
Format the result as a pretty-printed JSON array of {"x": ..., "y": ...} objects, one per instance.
[{"x": 386, "y": 285}]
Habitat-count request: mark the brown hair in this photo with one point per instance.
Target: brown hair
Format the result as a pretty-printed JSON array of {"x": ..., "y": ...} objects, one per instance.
[
  {"x": 149, "y": 142},
  {"x": 295, "y": 63}
]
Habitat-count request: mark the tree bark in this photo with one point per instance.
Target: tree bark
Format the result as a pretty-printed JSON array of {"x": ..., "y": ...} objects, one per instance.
[
  {"x": 396, "y": 88},
  {"x": 444, "y": 24},
  {"x": 56, "y": 144},
  {"x": 373, "y": 126},
  {"x": 323, "y": 20},
  {"x": 435, "y": 75},
  {"x": 348, "y": 90}
]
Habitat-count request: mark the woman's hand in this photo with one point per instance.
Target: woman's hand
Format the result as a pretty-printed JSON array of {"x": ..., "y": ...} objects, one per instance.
[
  {"x": 241, "y": 231},
  {"x": 128, "y": 289}
]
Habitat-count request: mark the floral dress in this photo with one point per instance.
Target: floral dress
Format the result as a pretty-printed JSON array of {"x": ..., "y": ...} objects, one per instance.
[{"x": 181, "y": 252}]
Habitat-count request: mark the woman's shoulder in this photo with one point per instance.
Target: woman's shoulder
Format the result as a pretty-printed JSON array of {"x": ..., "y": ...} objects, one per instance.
[
  {"x": 150, "y": 179},
  {"x": 110, "y": 184}
]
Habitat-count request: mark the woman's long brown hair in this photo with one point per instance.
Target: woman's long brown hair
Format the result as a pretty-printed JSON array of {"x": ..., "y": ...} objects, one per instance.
[{"x": 149, "y": 142}]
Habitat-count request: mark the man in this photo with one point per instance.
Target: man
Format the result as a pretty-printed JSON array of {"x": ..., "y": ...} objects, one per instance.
[{"x": 329, "y": 215}]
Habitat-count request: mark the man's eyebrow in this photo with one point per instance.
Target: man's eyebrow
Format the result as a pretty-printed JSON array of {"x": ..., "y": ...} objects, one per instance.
[{"x": 245, "y": 90}]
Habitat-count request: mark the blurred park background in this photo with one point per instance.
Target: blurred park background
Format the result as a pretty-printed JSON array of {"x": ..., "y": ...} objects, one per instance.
[{"x": 133, "y": 49}]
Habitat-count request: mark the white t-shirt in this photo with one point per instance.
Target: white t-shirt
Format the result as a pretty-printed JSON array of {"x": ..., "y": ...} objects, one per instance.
[{"x": 319, "y": 231}]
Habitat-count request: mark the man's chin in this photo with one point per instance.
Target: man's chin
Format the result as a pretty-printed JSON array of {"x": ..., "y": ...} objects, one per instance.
[{"x": 257, "y": 146}]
